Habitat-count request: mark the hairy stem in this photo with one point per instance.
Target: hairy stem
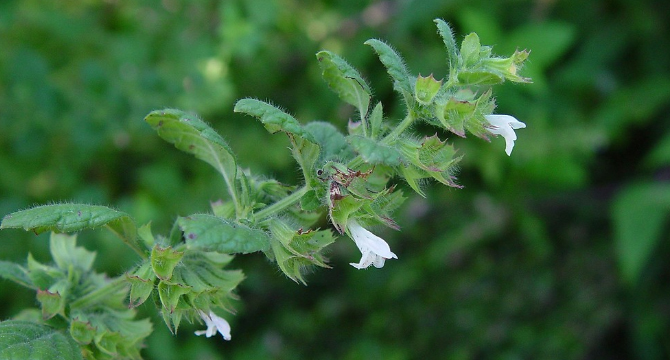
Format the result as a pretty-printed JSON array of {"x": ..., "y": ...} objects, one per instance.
[
  {"x": 282, "y": 204},
  {"x": 404, "y": 124}
]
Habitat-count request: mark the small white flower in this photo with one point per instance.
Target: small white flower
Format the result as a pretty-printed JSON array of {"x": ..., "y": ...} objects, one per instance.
[
  {"x": 374, "y": 250},
  {"x": 214, "y": 323},
  {"x": 504, "y": 125}
]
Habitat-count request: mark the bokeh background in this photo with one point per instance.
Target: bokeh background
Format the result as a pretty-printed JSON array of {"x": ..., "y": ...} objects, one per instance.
[{"x": 557, "y": 252}]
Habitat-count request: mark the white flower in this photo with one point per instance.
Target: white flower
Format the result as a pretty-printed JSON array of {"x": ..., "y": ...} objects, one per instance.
[
  {"x": 214, "y": 323},
  {"x": 374, "y": 250},
  {"x": 504, "y": 125}
]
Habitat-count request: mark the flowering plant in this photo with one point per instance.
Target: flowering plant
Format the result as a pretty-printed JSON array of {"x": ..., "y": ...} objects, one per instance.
[{"x": 346, "y": 176}]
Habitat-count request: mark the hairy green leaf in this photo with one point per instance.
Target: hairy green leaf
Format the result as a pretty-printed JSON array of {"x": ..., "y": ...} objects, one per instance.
[
  {"x": 374, "y": 152},
  {"x": 333, "y": 144},
  {"x": 28, "y": 340},
  {"x": 395, "y": 66},
  {"x": 376, "y": 121},
  {"x": 212, "y": 233},
  {"x": 345, "y": 81},
  {"x": 67, "y": 218},
  {"x": 449, "y": 42},
  {"x": 190, "y": 134}
]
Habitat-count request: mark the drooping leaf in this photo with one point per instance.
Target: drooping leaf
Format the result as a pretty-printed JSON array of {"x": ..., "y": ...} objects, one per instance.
[
  {"x": 190, "y": 134},
  {"x": 345, "y": 81},
  {"x": 28, "y": 340},
  {"x": 212, "y": 233},
  {"x": 67, "y": 218}
]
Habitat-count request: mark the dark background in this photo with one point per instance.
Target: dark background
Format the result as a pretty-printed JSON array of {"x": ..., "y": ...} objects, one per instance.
[{"x": 557, "y": 252}]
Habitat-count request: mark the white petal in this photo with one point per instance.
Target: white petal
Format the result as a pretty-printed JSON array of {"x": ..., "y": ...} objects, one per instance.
[
  {"x": 214, "y": 323},
  {"x": 374, "y": 250},
  {"x": 366, "y": 260},
  {"x": 504, "y": 125}
]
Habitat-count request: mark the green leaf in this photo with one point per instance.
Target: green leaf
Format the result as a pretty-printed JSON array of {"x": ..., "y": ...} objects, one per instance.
[
  {"x": 211, "y": 233},
  {"x": 16, "y": 273},
  {"x": 376, "y": 121},
  {"x": 190, "y": 134},
  {"x": 395, "y": 66},
  {"x": 333, "y": 144},
  {"x": 449, "y": 42},
  {"x": 273, "y": 118},
  {"x": 67, "y": 218},
  {"x": 470, "y": 50},
  {"x": 345, "y": 81},
  {"x": 28, "y": 340},
  {"x": 65, "y": 252},
  {"x": 306, "y": 154},
  {"x": 374, "y": 152},
  {"x": 43, "y": 276},
  {"x": 310, "y": 201},
  {"x": 640, "y": 213}
]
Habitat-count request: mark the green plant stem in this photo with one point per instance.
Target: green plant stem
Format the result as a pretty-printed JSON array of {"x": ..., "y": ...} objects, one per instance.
[
  {"x": 282, "y": 204},
  {"x": 100, "y": 294},
  {"x": 355, "y": 162},
  {"x": 404, "y": 124}
]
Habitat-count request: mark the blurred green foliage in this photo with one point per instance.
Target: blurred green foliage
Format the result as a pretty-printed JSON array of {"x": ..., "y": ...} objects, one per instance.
[{"x": 557, "y": 252}]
